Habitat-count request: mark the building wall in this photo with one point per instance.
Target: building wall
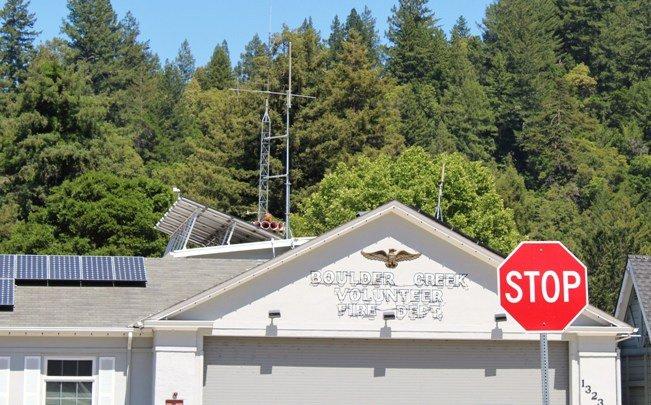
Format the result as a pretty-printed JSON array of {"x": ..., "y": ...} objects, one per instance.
[
  {"x": 19, "y": 347},
  {"x": 636, "y": 358},
  {"x": 379, "y": 371}
]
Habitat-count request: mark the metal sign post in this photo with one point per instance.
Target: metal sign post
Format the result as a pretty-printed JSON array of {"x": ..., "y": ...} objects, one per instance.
[{"x": 544, "y": 368}]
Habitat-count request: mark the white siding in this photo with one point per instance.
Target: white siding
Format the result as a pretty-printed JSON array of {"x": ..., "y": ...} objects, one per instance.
[
  {"x": 106, "y": 380},
  {"x": 5, "y": 369},
  {"x": 334, "y": 371},
  {"x": 32, "y": 380}
]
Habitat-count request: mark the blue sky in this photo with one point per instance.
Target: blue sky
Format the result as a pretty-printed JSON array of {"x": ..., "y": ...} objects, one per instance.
[{"x": 166, "y": 23}]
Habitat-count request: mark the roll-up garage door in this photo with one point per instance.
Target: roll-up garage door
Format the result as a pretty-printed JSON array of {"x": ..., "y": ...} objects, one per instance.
[{"x": 356, "y": 371}]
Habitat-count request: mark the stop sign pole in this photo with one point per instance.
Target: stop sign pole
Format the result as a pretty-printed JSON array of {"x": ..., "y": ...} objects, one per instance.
[{"x": 544, "y": 287}]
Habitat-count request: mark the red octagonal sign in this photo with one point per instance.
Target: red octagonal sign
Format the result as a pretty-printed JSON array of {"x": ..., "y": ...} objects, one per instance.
[{"x": 543, "y": 286}]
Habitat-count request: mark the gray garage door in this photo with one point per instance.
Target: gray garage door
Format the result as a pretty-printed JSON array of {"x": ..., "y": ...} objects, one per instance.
[{"x": 347, "y": 371}]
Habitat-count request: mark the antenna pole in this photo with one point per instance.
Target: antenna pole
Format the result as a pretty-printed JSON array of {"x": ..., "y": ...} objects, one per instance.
[
  {"x": 438, "y": 213},
  {"x": 288, "y": 184}
]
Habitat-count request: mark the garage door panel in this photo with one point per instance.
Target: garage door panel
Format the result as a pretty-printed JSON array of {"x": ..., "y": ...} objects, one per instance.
[{"x": 323, "y": 371}]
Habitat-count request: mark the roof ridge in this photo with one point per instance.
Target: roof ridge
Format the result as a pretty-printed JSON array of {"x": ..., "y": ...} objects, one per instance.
[{"x": 639, "y": 257}]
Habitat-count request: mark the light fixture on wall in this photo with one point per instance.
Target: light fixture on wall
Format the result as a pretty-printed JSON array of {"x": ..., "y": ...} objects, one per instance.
[
  {"x": 500, "y": 318},
  {"x": 274, "y": 313},
  {"x": 389, "y": 315}
]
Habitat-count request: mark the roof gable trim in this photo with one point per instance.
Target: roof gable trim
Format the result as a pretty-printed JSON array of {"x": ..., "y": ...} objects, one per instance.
[{"x": 393, "y": 207}]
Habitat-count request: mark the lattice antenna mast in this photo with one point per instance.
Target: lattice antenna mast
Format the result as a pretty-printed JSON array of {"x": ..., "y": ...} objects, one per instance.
[
  {"x": 265, "y": 139},
  {"x": 438, "y": 213},
  {"x": 288, "y": 106}
]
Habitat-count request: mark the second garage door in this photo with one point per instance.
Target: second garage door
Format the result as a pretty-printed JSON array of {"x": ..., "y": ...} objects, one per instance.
[{"x": 353, "y": 371}]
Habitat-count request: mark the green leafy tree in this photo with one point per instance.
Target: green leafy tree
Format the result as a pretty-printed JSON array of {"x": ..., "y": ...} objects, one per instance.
[
  {"x": 218, "y": 73},
  {"x": 470, "y": 200},
  {"x": 418, "y": 47},
  {"x": 17, "y": 36},
  {"x": 96, "y": 213}
]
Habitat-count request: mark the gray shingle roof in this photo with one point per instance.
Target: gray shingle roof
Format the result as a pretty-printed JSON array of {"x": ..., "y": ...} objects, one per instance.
[
  {"x": 640, "y": 269},
  {"x": 169, "y": 281}
]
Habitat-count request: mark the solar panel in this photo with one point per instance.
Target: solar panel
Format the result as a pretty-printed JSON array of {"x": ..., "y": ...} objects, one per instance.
[
  {"x": 130, "y": 269},
  {"x": 65, "y": 268},
  {"x": 7, "y": 266},
  {"x": 97, "y": 268},
  {"x": 6, "y": 292},
  {"x": 31, "y": 267}
]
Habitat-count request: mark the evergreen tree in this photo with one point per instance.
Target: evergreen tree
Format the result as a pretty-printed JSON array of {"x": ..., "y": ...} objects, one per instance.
[
  {"x": 364, "y": 24},
  {"x": 460, "y": 29},
  {"x": 16, "y": 40},
  {"x": 184, "y": 61},
  {"x": 95, "y": 36},
  {"x": 522, "y": 47},
  {"x": 418, "y": 47},
  {"x": 59, "y": 130},
  {"x": 622, "y": 51},
  {"x": 352, "y": 114},
  {"x": 582, "y": 21},
  {"x": 337, "y": 36},
  {"x": 465, "y": 106},
  {"x": 218, "y": 73},
  {"x": 254, "y": 61}
]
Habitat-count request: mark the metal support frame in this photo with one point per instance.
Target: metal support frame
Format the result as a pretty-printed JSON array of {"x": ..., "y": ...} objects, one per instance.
[
  {"x": 544, "y": 368},
  {"x": 179, "y": 239},
  {"x": 226, "y": 240}
]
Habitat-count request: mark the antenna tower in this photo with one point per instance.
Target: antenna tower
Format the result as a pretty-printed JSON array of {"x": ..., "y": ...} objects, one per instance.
[
  {"x": 265, "y": 140},
  {"x": 438, "y": 213}
]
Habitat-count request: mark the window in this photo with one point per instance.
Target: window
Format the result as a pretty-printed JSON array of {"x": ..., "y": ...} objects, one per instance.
[{"x": 69, "y": 382}]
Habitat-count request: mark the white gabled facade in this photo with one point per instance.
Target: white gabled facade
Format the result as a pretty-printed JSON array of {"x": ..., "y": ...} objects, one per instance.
[
  {"x": 330, "y": 343},
  {"x": 316, "y": 289}
]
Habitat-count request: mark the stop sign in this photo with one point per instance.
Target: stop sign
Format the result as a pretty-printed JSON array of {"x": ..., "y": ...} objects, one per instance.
[{"x": 543, "y": 286}]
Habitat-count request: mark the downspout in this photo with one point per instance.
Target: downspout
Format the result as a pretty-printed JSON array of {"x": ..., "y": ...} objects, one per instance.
[{"x": 128, "y": 382}]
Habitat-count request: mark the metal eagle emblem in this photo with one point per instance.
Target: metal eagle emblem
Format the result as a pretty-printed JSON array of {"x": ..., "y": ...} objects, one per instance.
[{"x": 392, "y": 257}]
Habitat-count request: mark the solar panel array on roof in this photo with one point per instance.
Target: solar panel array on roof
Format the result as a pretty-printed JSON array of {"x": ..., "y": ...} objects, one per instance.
[
  {"x": 65, "y": 268},
  {"x": 97, "y": 268},
  {"x": 130, "y": 269},
  {"x": 7, "y": 266},
  {"x": 73, "y": 268},
  {"x": 31, "y": 267},
  {"x": 6, "y": 292}
]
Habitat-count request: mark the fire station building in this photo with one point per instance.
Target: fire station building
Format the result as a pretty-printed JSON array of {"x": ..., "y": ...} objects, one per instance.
[{"x": 393, "y": 307}]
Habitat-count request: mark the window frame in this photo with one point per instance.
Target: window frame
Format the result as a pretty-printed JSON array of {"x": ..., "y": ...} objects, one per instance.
[{"x": 92, "y": 378}]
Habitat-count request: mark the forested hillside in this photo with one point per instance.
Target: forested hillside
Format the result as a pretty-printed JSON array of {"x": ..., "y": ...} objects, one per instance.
[{"x": 544, "y": 121}]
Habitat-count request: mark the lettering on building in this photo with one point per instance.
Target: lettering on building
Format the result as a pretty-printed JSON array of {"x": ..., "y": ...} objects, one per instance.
[{"x": 365, "y": 294}]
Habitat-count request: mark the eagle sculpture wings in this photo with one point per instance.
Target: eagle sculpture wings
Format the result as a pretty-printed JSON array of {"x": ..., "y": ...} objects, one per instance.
[{"x": 392, "y": 257}]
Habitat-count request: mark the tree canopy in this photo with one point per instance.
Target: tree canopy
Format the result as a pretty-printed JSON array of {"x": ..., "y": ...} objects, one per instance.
[{"x": 543, "y": 118}]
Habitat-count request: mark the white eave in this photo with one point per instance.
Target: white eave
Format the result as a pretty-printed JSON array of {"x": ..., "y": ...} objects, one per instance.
[{"x": 216, "y": 251}]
